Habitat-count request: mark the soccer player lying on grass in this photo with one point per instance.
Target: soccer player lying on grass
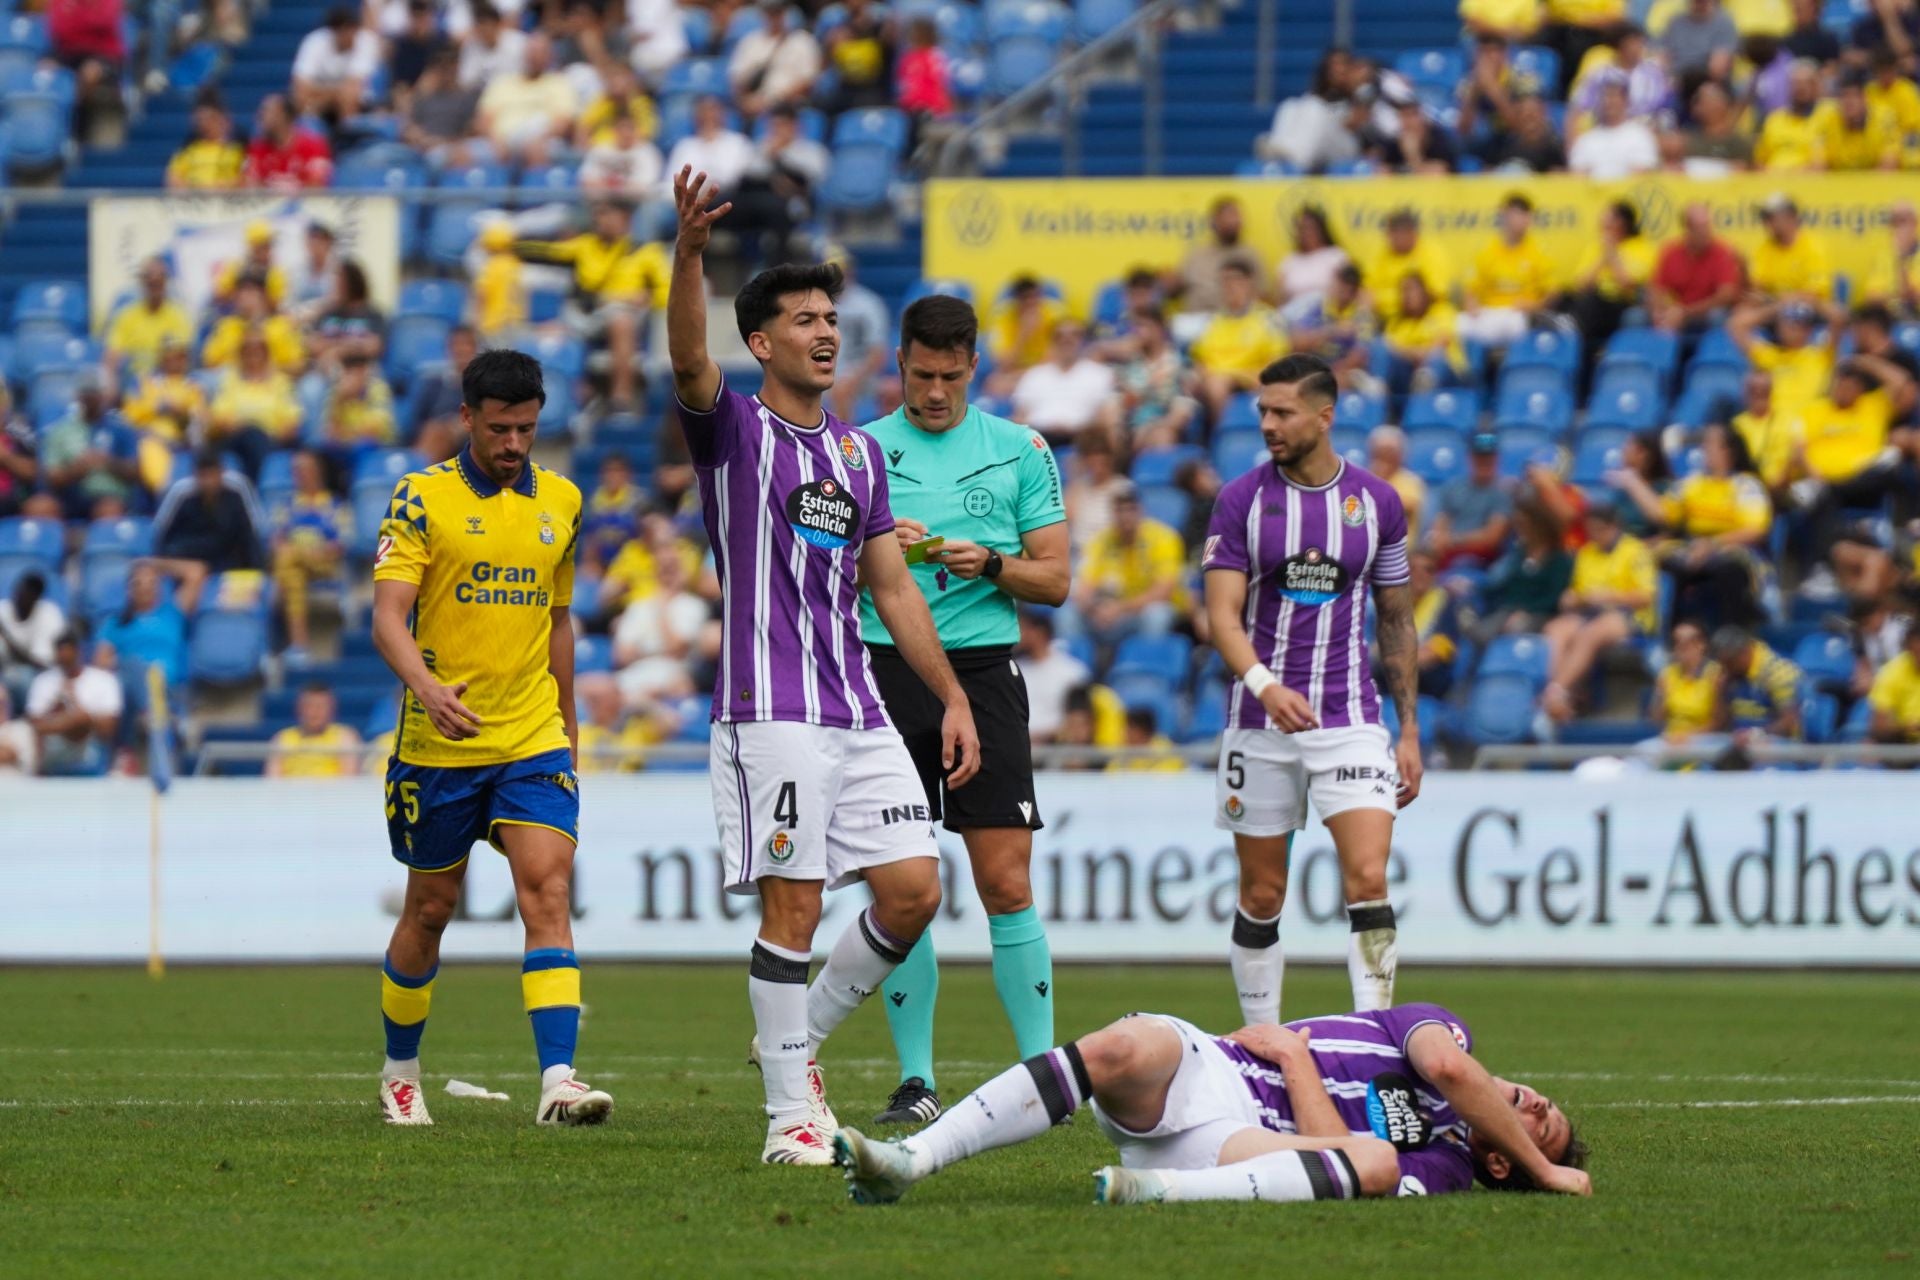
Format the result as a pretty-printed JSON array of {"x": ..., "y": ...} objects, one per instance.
[{"x": 1389, "y": 1102}]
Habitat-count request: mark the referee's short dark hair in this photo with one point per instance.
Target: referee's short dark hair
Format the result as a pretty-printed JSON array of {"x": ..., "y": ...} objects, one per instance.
[
  {"x": 940, "y": 323},
  {"x": 511, "y": 377},
  {"x": 1312, "y": 374}
]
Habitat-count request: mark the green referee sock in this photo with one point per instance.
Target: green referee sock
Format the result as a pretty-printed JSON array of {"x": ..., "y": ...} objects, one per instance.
[
  {"x": 911, "y": 991},
  {"x": 1023, "y": 975}
]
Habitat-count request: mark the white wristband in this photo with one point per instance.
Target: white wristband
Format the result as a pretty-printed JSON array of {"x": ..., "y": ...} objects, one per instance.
[{"x": 1258, "y": 679}]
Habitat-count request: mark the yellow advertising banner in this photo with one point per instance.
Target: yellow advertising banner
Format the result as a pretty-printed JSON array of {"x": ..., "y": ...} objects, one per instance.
[{"x": 1083, "y": 233}]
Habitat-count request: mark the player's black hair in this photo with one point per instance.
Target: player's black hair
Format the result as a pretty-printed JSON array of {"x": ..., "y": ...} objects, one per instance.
[
  {"x": 1143, "y": 718},
  {"x": 759, "y": 301},
  {"x": 1876, "y": 314},
  {"x": 511, "y": 377},
  {"x": 316, "y": 686},
  {"x": 1348, "y": 274},
  {"x": 1517, "y": 200},
  {"x": 940, "y": 323},
  {"x": 1518, "y": 1179},
  {"x": 1312, "y": 374}
]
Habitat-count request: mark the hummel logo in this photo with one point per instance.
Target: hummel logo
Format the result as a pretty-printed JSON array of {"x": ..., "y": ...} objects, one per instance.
[
  {"x": 894, "y": 456},
  {"x": 898, "y": 997},
  {"x": 1041, "y": 987}
]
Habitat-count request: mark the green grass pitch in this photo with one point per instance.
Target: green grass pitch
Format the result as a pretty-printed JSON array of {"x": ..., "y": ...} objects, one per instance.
[{"x": 222, "y": 1122}]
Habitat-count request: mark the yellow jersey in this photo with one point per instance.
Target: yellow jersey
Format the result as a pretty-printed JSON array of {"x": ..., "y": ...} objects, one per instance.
[
  {"x": 1750, "y": 17},
  {"x": 1841, "y": 442},
  {"x": 1770, "y": 441},
  {"x": 1512, "y": 275},
  {"x": 1788, "y": 141},
  {"x": 1628, "y": 569},
  {"x": 1587, "y": 13},
  {"x": 1890, "y": 276},
  {"x": 500, "y": 295},
  {"x": 320, "y": 755},
  {"x": 1896, "y": 691},
  {"x": 1129, "y": 572},
  {"x": 636, "y": 568},
  {"x": 1515, "y": 17},
  {"x": 1636, "y": 255},
  {"x": 598, "y": 120},
  {"x": 1413, "y": 499},
  {"x": 1800, "y": 375},
  {"x": 623, "y": 750},
  {"x": 1903, "y": 100},
  {"x": 1003, "y": 334},
  {"x": 1707, "y": 506},
  {"x": 1165, "y": 758},
  {"x": 1800, "y": 267},
  {"x": 1875, "y": 145},
  {"x": 284, "y": 343},
  {"x": 1384, "y": 275},
  {"x": 166, "y": 407},
  {"x": 206, "y": 166},
  {"x": 1243, "y": 344},
  {"x": 269, "y": 404},
  {"x": 1414, "y": 338},
  {"x": 606, "y": 270},
  {"x": 230, "y": 276},
  {"x": 136, "y": 333},
  {"x": 491, "y": 564},
  {"x": 1689, "y": 700}
]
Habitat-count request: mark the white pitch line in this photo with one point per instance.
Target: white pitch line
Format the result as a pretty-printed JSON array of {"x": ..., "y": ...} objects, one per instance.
[
  {"x": 1748, "y": 1104},
  {"x": 1631, "y": 1077}
]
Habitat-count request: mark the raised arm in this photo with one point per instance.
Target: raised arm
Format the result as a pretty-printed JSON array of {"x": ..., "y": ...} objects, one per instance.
[
  {"x": 883, "y": 570},
  {"x": 696, "y": 378},
  {"x": 1471, "y": 1092}
]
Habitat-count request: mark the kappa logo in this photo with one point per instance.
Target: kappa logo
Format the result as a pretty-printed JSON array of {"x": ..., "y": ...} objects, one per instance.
[
  {"x": 894, "y": 456},
  {"x": 780, "y": 847},
  {"x": 852, "y": 454},
  {"x": 1234, "y": 809},
  {"x": 473, "y": 525},
  {"x": 1353, "y": 512}
]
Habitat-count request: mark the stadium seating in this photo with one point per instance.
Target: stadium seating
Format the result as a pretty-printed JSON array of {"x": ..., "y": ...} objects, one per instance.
[
  {"x": 1436, "y": 454},
  {"x": 1457, "y": 409}
]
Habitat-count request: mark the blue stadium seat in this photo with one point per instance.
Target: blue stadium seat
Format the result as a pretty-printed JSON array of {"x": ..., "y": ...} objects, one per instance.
[
  {"x": 696, "y": 76},
  {"x": 1017, "y": 61},
  {"x": 1525, "y": 656},
  {"x": 124, "y": 535},
  {"x": 27, "y": 31},
  {"x": 859, "y": 179},
  {"x": 1522, "y": 445},
  {"x": 16, "y": 60},
  {"x": 1235, "y": 451},
  {"x": 1351, "y": 444},
  {"x": 55, "y": 82},
  {"x": 1543, "y": 409},
  {"x": 1625, "y": 396},
  {"x": 1544, "y": 349},
  {"x": 111, "y": 548},
  {"x": 1652, "y": 349},
  {"x": 275, "y": 484},
  {"x": 1206, "y": 714},
  {"x": 33, "y": 540},
  {"x": 1361, "y": 412},
  {"x": 743, "y": 23},
  {"x": 1596, "y": 451},
  {"x": 38, "y": 128},
  {"x": 1168, "y": 655},
  {"x": 62, "y": 300},
  {"x": 1500, "y": 710},
  {"x": 561, "y": 353},
  {"x": 1695, "y": 407},
  {"x": 1157, "y": 466},
  {"x": 1110, "y": 305},
  {"x": 1241, "y": 414},
  {"x": 1446, "y": 408},
  {"x": 872, "y": 126},
  {"x": 35, "y": 349},
  {"x": 1445, "y": 66},
  {"x": 959, "y": 22},
  {"x": 1820, "y": 717},
  {"x": 1711, "y": 382},
  {"x": 412, "y": 341},
  {"x": 1137, "y": 688},
  {"x": 1827, "y": 661},
  {"x": 52, "y": 390},
  {"x": 1716, "y": 346},
  {"x": 810, "y": 121},
  {"x": 1165, "y": 503},
  {"x": 592, "y": 655},
  {"x": 227, "y": 647},
  {"x": 446, "y": 299},
  {"x": 385, "y": 466},
  {"x": 1039, "y": 19},
  {"x": 1437, "y": 454},
  {"x": 1858, "y": 724},
  {"x": 1095, "y": 18},
  {"x": 1539, "y": 64},
  {"x": 556, "y": 414}
]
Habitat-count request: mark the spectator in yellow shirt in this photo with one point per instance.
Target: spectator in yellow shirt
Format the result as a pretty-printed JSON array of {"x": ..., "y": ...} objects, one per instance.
[
  {"x": 1512, "y": 278},
  {"x": 359, "y": 412},
  {"x": 316, "y": 745},
  {"x": 498, "y": 305},
  {"x": 255, "y": 263},
  {"x": 1891, "y": 89},
  {"x": 140, "y": 329},
  {"x": 615, "y": 283},
  {"x": 1240, "y": 340},
  {"x": 1718, "y": 518},
  {"x": 167, "y": 408},
  {"x": 1512, "y": 20},
  {"x": 1422, "y": 341},
  {"x": 1406, "y": 253},
  {"x": 1800, "y": 366},
  {"x": 612, "y": 738},
  {"x": 1130, "y": 578},
  {"x": 309, "y": 542},
  {"x": 1894, "y": 277},
  {"x": 1846, "y": 444},
  {"x": 213, "y": 157},
  {"x": 1789, "y": 262},
  {"x": 1609, "y": 602},
  {"x": 1574, "y": 27},
  {"x": 1895, "y": 696},
  {"x": 254, "y": 313},
  {"x": 1611, "y": 278},
  {"x": 1790, "y": 136},
  {"x": 1157, "y": 754},
  {"x": 527, "y": 113},
  {"x": 1769, "y": 436},
  {"x": 1018, "y": 330},
  {"x": 1686, "y": 694},
  {"x": 1854, "y": 135},
  {"x": 623, "y": 97},
  {"x": 254, "y": 408}
]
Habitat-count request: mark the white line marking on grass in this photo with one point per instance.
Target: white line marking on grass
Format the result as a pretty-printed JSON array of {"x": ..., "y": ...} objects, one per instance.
[
  {"x": 1634, "y": 1077},
  {"x": 83, "y": 1104},
  {"x": 1755, "y": 1104}
]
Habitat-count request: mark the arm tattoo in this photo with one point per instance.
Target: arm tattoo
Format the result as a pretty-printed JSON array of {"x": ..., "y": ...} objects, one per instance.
[{"x": 1399, "y": 648}]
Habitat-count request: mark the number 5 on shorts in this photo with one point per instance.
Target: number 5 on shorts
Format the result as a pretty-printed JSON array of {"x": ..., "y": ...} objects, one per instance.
[
  {"x": 1236, "y": 769},
  {"x": 409, "y": 800}
]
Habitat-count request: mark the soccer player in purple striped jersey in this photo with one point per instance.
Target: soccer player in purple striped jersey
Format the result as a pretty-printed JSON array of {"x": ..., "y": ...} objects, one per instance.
[
  {"x": 1376, "y": 1103},
  {"x": 1294, "y": 546},
  {"x": 812, "y": 786}
]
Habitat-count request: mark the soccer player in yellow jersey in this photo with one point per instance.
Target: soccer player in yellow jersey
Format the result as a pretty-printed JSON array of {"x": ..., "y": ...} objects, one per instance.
[{"x": 472, "y": 581}]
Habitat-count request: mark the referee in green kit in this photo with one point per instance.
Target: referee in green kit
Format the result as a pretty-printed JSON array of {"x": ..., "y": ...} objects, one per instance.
[{"x": 990, "y": 489}]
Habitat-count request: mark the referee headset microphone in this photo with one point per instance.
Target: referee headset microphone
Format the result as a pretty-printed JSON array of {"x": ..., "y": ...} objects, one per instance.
[
  {"x": 501, "y": 394},
  {"x": 938, "y": 335}
]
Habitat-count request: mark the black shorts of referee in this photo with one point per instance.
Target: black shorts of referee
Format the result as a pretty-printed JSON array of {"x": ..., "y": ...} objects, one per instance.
[{"x": 1001, "y": 794}]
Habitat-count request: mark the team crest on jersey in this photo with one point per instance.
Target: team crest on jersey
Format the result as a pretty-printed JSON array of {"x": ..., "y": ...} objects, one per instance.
[
  {"x": 780, "y": 847},
  {"x": 1310, "y": 578},
  {"x": 822, "y": 513},
  {"x": 852, "y": 454},
  {"x": 1234, "y": 809},
  {"x": 1353, "y": 512},
  {"x": 546, "y": 534}
]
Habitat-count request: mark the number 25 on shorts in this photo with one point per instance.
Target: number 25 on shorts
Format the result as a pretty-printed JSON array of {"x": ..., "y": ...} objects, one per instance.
[{"x": 409, "y": 800}]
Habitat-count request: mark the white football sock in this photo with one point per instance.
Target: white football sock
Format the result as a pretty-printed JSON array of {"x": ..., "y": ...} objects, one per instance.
[
  {"x": 777, "y": 986},
  {"x": 1277, "y": 1177},
  {"x": 398, "y": 1070},
  {"x": 1021, "y": 1102},
  {"x": 1372, "y": 953},
  {"x": 555, "y": 1074},
  {"x": 859, "y": 962},
  {"x": 1258, "y": 967}
]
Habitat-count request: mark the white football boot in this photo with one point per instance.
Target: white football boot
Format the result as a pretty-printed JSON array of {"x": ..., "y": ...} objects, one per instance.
[
  {"x": 1117, "y": 1185},
  {"x": 820, "y": 1115},
  {"x": 802, "y": 1143},
  {"x": 876, "y": 1172},
  {"x": 402, "y": 1101},
  {"x": 573, "y": 1102}
]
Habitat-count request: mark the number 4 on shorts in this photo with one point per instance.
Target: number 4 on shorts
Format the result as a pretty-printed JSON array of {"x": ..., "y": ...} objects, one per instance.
[{"x": 786, "y": 806}]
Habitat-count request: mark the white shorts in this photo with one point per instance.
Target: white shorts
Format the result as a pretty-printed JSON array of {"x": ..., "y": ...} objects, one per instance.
[
  {"x": 1265, "y": 776},
  {"x": 807, "y": 802},
  {"x": 1206, "y": 1105}
]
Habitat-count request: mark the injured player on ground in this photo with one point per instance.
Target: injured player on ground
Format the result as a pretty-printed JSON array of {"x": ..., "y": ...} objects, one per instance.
[{"x": 1382, "y": 1103}]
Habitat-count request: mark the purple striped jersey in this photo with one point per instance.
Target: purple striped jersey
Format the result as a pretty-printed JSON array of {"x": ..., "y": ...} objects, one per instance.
[
  {"x": 1309, "y": 556},
  {"x": 787, "y": 509},
  {"x": 1351, "y": 1049}
]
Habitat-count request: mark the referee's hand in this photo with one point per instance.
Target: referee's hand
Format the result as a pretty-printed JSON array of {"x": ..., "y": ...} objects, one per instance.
[
  {"x": 959, "y": 744},
  {"x": 452, "y": 717},
  {"x": 908, "y": 531}
]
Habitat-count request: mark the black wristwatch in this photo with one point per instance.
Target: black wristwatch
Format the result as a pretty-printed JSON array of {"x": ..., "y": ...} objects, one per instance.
[{"x": 993, "y": 566}]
